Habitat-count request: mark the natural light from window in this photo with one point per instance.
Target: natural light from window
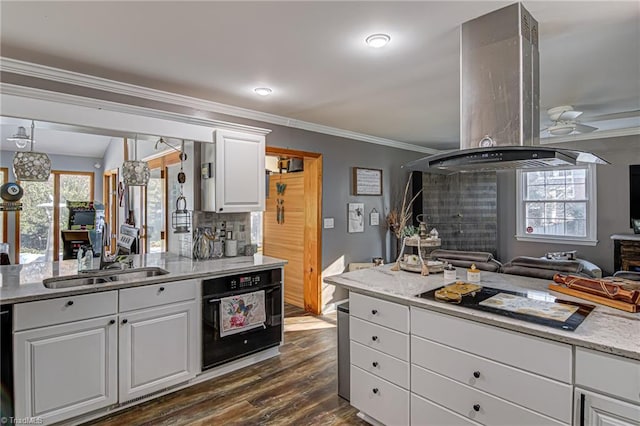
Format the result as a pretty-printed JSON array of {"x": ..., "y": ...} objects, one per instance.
[{"x": 557, "y": 205}]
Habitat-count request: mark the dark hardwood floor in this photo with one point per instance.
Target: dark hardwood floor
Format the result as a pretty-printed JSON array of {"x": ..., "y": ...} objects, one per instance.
[{"x": 299, "y": 387}]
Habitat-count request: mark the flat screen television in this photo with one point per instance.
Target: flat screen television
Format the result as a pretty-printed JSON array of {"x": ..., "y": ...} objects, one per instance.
[{"x": 634, "y": 192}]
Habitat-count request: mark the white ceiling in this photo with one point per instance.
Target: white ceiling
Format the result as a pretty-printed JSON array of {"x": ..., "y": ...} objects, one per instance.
[
  {"x": 313, "y": 56},
  {"x": 54, "y": 139}
]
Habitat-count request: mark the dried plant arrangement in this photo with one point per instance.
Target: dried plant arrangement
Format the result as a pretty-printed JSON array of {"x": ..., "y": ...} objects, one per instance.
[{"x": 397, "y": 220}]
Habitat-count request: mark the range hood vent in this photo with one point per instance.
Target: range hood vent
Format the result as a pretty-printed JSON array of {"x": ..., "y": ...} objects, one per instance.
[{"x": 499, "y": 105}]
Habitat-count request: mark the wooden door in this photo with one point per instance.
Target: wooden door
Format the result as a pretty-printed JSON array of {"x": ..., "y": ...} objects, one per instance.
[{"x": 286, "y": 240}]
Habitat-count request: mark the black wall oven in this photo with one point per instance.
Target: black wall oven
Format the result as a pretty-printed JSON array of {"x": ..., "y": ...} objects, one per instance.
[{"x": 217, "y": 349}]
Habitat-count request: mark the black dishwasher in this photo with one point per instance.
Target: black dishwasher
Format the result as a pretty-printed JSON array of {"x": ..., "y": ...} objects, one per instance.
[{"x": 6, "y": 364}]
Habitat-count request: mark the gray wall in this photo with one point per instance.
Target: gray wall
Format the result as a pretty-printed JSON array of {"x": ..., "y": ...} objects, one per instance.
[
  {"x": 612, "y": 199},
  {"x": 58, "y": 162},
  {"x": 63, "y": 163},
  {"x": 339, "y": 248}
]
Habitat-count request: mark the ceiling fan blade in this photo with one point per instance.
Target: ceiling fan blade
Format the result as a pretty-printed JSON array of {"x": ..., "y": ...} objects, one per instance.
[
  {"x": 616, "y": 115},
  {"x": 569, "y": 115},
  {"x": 583, "y": 128}
]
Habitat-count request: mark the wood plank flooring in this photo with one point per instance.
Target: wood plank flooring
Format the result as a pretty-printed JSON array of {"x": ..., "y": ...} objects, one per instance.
[{"x": 299, "y": 387}]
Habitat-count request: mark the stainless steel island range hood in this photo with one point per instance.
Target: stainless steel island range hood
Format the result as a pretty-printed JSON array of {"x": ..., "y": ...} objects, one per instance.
[{"x": 499, "y": 108}]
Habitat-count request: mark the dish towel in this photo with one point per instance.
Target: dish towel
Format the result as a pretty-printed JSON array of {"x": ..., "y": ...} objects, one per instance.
[{"x": 242, "y": 312}]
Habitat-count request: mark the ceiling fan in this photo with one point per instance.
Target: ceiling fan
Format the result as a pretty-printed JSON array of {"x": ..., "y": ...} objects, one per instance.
[{"x": 564, "y": 120}]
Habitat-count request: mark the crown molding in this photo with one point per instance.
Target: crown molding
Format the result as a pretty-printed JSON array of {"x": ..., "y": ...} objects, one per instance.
[
  {"x": 604, "y": 134},
  {"x": 84, "y": 80},
  {"x": 81, "y": 101}
]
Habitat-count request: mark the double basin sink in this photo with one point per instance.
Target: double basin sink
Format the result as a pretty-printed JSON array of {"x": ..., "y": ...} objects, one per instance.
[{"x": 103, "y": 277}]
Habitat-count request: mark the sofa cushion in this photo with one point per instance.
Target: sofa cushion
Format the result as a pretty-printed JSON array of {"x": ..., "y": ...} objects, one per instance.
[{"x": 464, "y": 259}]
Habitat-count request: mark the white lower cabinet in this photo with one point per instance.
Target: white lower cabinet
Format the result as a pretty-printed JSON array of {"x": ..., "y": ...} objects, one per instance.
[
  {"x": 378, "y": 398},
  {"x": 66, "y": 370},
  {"x": 157, "y": 349},
  {"x": 593, "y": 409},
  {"x": 425, "y": 413},
  {"x": 77, "y": 354}
]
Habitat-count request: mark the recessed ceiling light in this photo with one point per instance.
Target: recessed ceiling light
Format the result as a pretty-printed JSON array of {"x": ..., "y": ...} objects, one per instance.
[
  {"x": 377, "y": 40},
  {"x": 263, "y": 91}
]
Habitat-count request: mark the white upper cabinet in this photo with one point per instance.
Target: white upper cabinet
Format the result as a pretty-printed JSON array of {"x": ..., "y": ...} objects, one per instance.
[{"x": 233, "y": 175}]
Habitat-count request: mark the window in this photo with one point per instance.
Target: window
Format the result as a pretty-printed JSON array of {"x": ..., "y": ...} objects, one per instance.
[
  {"x": 44, "y": 214},
  {"x": 557, "y": 205}
]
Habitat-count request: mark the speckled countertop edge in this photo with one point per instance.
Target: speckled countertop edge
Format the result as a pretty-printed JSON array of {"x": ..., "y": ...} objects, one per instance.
[
  {"x": 605, "y": 329},
  {"x": 23, "y": 283}
]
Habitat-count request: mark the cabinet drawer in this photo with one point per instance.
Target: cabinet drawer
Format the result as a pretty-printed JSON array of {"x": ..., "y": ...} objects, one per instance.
[
  {"x": 474, "y": 404},
  {"x": 508, "y": 347},
  {"x": 379, "y": 338},
  {"x": 384, "y": 366},
  {"x": 426, "y": 413},
  {"x": 64, "y": 309},
  {"x": 382, "y": 400},
  {"x": 609, "y": 374},
  {"x": 379, "y": 311},
  {"x": 156, "y": 295},
  {"x": 533, "y": 391}
]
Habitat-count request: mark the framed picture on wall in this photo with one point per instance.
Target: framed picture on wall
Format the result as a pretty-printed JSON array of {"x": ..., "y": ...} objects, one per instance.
[
  {"x": 355, "y": 217},
  {"x": 367, "y": 181}
]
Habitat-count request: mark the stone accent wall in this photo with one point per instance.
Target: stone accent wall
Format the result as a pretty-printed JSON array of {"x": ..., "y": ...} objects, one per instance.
[{"x": 463, "y": 208}]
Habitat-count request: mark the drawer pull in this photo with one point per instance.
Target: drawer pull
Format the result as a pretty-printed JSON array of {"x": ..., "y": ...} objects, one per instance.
[
  {"x": 112, "y": 322},
  {"x": 70, "y": 302},
  {"x": 374, "y": 338},
  {"x": 375, "y": 390},
  {"x": 374, "y": 312},
  {"x": 161, "y": 289},
  {"x": 476, "y": 374},
  {"x": 476, "y": 407},
  {"x": 375, "y": 363},
  {"x": 124, "y": 321}
]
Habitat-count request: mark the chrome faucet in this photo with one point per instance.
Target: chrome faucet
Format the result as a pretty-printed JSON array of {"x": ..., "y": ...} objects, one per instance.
[{"x": 106, "y": 261}]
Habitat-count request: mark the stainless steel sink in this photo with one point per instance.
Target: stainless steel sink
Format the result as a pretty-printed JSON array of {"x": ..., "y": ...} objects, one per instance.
[{"x": 103, "y": 277}]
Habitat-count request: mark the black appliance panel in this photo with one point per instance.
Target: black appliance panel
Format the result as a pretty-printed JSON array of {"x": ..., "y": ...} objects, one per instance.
[
  {"x": 6, "y": 364},
  {"x": 217, "y": 350}
]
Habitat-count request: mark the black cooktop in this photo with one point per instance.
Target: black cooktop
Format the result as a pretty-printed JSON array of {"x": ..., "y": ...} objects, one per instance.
[{"x": 537, "y": 307}]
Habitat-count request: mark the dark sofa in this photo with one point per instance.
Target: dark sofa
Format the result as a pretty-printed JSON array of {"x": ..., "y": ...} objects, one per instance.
[{"x": 464, "y": 259}]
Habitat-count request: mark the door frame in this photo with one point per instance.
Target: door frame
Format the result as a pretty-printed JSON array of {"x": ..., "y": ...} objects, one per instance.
[{"x": 312, "y": 258}]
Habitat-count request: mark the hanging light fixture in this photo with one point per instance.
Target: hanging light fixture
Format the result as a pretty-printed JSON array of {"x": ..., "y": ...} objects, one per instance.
[
  {"x": 30, "y": 165},
  {"x": 181, "y": 218},
  {"x": 21, "y": 138},
  {"x": 134, "y": 172}
]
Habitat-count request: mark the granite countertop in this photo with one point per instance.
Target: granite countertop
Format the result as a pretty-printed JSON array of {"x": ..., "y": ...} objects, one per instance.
[
  {"x": 22, "y": 283},
  {"x": 605, "y": 329}
]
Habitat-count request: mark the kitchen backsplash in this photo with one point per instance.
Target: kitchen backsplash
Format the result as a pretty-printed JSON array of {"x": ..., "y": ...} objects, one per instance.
[{"x": 215, "y": 228}]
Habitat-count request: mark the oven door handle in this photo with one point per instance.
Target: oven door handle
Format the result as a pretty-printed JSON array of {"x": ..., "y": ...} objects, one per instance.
[{"x": 213, "y": 301}]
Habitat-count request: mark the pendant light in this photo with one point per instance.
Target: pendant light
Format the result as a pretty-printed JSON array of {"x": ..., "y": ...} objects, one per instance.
[
  {"x": 21, "y": 138},
  {"x": 31, "y": 165},
  {"x": 134, "y": 172},
  {"x": 181, "y": 218}
]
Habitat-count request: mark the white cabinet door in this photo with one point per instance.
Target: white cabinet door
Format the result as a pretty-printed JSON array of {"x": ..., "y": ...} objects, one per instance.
[
  {"x": 66, "y": 370},
  {"x": 157, "y": 349},
  {"x": 593, "y": 409},
  {"x": 240, "y": 172}
]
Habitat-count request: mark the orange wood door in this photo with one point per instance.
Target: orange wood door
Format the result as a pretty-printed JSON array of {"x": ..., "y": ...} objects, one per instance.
[{"x": 286, "y": 240}]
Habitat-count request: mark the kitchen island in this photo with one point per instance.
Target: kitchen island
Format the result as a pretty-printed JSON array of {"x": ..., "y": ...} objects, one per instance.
[
  {"x": 422, "y": 361},
  {"x": 83, "y": 351}
]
